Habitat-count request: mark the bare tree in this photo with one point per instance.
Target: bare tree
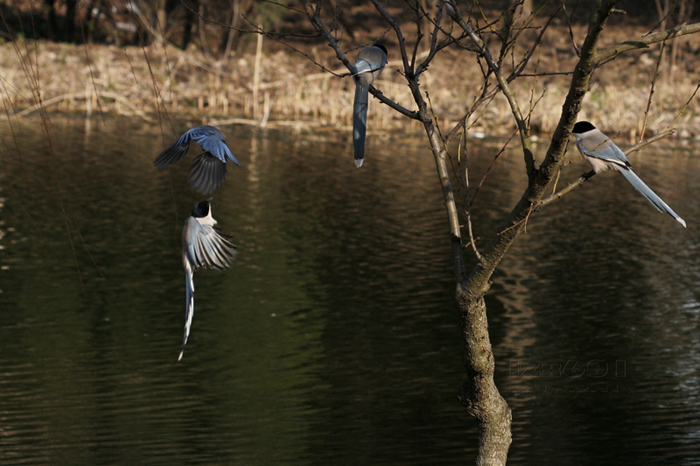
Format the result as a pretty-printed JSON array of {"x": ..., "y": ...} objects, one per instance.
[{"x": 452, "y": 26}]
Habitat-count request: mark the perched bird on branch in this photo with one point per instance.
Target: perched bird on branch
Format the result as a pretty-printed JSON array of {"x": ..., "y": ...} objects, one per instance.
[
  {"x": 203, "y": 247},
  {"x": 603, "y": 154},
  {"x": 208, "y": 169},
  {"x": 369, "y": 64}
]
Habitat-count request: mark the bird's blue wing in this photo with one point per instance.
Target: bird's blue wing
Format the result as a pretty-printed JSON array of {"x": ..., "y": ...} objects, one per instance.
[
  {"x": 608, "y": 152},
  {"x": 211, "y": 140},
  {"x": 179, "y": 148},
  {"x": 367, "y": 66},
  {"x": 175, "y": 152},
  {"x": 363, "y": 66},
  {"x": 188, "y": 136}
]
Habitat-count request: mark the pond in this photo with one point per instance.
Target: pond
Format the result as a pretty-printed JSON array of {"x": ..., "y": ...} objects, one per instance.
[{"x": 333, "y": 338}]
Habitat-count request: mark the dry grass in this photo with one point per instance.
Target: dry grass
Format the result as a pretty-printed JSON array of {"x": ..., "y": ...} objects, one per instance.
[{"x": 153, "y": 83}]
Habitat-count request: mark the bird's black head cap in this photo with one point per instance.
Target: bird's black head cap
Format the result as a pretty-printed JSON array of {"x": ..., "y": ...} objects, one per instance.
[
  {"x": 201, "y": 210},
  {"x": 582, "y": 127},
  {"x": 381, "y": 47}
]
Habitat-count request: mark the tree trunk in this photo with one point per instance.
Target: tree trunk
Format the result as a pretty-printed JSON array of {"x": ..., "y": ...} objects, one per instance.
[
  {"x": 51, "y": 19},
  {"x": 479, "y": 392},
  {"x": 71, "y": 8}
]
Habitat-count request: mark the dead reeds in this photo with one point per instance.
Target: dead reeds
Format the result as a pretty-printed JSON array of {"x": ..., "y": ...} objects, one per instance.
[{"x": 281, "y": 88}]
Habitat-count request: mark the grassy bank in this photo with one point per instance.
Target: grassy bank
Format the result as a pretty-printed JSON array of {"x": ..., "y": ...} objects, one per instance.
[{"x": 287, "y": 89}]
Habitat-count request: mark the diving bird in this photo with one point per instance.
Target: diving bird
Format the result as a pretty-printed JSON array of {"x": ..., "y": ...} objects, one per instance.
[
  {"x": 369, "y": 64},
  {"x": 603, "y": 154},
  {"x": 208, "y": 169},
  {"x": 203, "y": 247}
]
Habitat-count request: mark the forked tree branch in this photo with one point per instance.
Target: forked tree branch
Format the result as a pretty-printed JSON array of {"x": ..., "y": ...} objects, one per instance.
[
  {"x": 478, "y": 282},
  {"x": 315, "y": 18},
  {"x": 607, "y": 54},
  {"x": 407, "y": 67}
]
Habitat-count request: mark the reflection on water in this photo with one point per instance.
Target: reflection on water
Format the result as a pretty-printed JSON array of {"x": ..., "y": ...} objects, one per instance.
[{"x": 332, "y": 339}]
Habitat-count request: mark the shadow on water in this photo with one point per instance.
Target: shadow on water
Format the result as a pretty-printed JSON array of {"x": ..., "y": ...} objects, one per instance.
[{"x": 332, "y": 339}]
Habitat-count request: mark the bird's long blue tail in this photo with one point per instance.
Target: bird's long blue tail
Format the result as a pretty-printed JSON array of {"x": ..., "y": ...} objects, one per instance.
[
  {"x": 359, "y": 122},
  {"x": 189, "y": 308},
  {"x": 649, "y": 195}
]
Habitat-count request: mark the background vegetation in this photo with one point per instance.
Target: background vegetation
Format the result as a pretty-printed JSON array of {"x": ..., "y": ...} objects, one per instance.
[{"x": 195, "y": 60}]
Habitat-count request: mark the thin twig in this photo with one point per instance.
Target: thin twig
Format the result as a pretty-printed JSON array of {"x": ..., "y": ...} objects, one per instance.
[
  {"x": 464, "y": 175},
  {"x": 433, "y": 42},
  {"x": 641, "y": 144},
  {"x": 606, "y": 54},
  {"x": 507, "y": 92},
  {"x": 652, "y": 89},
  {"x": 419, "y": 30},
  {"x": 535, "y": 45},
  {"x": 407, "y": 68},
  {"x": 685, "y": 106},
  {"x": 571, "y": 29},
  {"x": 486, "y": 97},
  {"x": 558, "y": 195},
  {"x": 488, "y": 169}
]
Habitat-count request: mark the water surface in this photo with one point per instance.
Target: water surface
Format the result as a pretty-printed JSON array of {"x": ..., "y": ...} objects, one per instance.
[{"x": 332, "y": 339}]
